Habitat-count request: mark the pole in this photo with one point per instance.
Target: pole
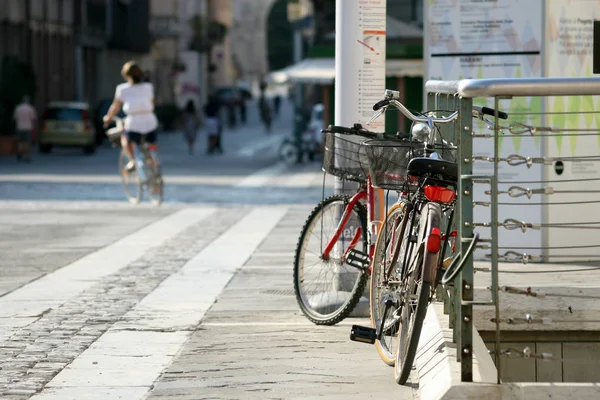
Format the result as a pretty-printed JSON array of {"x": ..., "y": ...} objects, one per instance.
[
  {"x": 346, "y": 72},
  {"x": 360, "y": 83},
  {"x": 298, "y": 95}
]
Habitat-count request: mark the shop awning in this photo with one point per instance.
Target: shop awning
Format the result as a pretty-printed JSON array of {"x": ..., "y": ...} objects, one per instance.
[{"x": 322, "y": 71}]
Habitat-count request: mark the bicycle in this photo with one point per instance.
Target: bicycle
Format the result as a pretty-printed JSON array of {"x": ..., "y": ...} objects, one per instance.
[
  {"x": 343, "y": 251},
  {"x": 408, "y": 261},
  {"x": 147, "y": 171}
]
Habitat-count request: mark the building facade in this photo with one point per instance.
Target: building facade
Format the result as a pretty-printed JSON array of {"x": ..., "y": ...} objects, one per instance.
[
  {"x": 75, "y": 47},
  {"x": 249, "y": 39},
  {"x": 41, "y": 34},
  {"x": 164, "y": 50}
]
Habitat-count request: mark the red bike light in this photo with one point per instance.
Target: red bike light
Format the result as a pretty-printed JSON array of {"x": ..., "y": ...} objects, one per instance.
[
  {"x": 434, "y": 241},
  {"x": 439, "y": 194},
  {"x": 153, "y": 147}
]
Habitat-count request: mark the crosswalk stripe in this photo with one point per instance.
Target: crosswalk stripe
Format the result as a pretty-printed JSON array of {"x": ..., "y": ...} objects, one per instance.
[
  {"x": 56, "y": 288},
  {"x": 135, "y": 353},
  {"x": 263, "y": 176}
]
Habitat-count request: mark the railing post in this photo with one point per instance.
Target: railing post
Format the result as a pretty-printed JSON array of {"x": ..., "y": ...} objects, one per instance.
[{"x": 464, "y": 285}]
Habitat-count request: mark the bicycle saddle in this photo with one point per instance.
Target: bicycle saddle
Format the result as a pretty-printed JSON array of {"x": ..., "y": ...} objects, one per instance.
[{"x": 423, "y": 165}]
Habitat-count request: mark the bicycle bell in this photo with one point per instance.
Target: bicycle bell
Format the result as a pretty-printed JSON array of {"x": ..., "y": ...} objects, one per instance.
[{"x": 420, "y": 131}]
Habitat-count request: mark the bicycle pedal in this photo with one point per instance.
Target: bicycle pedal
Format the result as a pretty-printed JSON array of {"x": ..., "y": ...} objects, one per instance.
[
  {"x": 363, "y": 334},
  {"x": 358, "y": 259}
]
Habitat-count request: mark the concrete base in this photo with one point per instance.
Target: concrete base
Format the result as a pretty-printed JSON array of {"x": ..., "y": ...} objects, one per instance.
[
  {"x": 437, "y": 368},
  {"x": 439, "y": 372}
]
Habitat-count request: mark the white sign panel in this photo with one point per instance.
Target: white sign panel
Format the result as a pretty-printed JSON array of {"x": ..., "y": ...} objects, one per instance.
[
  {"x": 569, "y": 39},
  {"x": 493, "y": 39},
  {"x": 371, "y": 48}
]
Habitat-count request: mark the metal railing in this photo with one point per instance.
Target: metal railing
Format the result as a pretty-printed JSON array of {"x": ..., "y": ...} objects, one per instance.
[{"x": 517, "y": 179}]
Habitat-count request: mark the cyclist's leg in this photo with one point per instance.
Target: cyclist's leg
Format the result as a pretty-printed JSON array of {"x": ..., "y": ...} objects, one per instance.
[
  {"x": 150, "y": 139},
  {"x": 128, "y": 141}
]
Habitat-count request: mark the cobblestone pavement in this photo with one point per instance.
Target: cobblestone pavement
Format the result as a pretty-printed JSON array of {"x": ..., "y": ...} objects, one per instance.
[
  {"x": 254, "y": 343},
  {"x": 101, "y": 300},
  {"x": 36, "y": 353}
]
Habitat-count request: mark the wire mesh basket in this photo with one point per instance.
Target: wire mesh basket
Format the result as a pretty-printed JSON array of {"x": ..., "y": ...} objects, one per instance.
[
  {"x": 388, "y": 160},
  {"x": 345, "y": 157}
]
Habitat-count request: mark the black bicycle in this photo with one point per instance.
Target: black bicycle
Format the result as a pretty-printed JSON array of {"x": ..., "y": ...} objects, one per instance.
[{"x": 408, "y": 263}]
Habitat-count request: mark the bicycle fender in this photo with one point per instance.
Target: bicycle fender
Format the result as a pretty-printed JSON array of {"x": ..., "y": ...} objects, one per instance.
[{"x": 430, "y": 259}]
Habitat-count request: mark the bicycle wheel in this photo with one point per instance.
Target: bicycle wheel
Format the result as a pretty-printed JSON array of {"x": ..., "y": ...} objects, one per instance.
[
  {"x": 416, "y": 291},
  {"x": 328, "y": 290},
  {"x": 132, "y": 184},
  {"x": 381, "y": 290},
  {"x": 155, "y": 186}
]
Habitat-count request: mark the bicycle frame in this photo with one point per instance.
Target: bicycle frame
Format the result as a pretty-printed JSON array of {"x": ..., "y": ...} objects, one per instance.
[{"x": 369, "y": 194}]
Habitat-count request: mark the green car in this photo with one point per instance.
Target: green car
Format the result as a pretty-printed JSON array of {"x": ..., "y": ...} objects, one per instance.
[{"x": 67, "y": 124}]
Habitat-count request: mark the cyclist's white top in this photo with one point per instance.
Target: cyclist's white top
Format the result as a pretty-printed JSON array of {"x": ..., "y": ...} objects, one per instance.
[{"x": 137, "y": 104}]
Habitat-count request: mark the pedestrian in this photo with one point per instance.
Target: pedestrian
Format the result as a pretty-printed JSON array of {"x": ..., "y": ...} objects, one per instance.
[
  {"x": 191, "y": 123},
  {"x": 212, "y": 124},
  {"x": 231, "y": 117},
  {"x": 265, "y": 113},
  {"x": 25, "y": 118},
  {"x": 243, "y": 110},
  {"x": 276, "y": 104}
]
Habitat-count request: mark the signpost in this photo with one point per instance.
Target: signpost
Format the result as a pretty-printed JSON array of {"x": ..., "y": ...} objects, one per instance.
[{"x": 360, "y": 27}]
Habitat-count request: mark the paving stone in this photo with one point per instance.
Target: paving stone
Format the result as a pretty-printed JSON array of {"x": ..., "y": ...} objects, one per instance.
[{"x": 59, "y": 336}]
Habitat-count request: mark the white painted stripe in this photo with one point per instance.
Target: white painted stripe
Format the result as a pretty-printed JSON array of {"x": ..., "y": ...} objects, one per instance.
[
  {"x": 271, "y": 142},
  {"x": 263, "y": 176},
  {"x": 305, "y": 177},
  {"x": 353, "y": 321},
  {"x": 65, "y": 283},
  {"x": 135, "y": 357},
  {"x": 89, "y": 179}
]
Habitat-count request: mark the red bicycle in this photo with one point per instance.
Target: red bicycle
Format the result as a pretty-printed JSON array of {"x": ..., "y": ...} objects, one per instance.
[{"x": 334, "y": 251}]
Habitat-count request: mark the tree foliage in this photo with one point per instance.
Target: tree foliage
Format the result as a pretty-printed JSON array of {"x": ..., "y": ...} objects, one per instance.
[
  {"x": 206, "y": 33},
  {"x": 279, "y": 37},
  {"x": 324, "y": 14}
]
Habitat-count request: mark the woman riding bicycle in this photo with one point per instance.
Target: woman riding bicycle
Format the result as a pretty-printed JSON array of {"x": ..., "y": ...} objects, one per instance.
[{"x": 136, "y": 97}]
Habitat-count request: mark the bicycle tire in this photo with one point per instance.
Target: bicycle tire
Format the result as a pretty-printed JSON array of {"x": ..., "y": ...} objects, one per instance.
[
  {"x": 386, "y": 351},
  {"x": 331, "y": 314},
  {"x": 410, "y": 328},
  {"x": 133, "y": 197}
]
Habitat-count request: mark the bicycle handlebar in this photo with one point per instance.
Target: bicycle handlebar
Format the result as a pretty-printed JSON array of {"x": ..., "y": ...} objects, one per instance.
[
  {"x": 357, "y": 129},
  {"x": 380, "y": 104},
  {"x": 490, "y": 111},
  {"x": 392, "y": 98}
]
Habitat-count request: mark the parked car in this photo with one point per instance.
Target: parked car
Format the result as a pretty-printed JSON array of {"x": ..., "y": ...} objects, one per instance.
[
  {"x": 67, "y": 124},
  {"x": 99, "y": 112}
]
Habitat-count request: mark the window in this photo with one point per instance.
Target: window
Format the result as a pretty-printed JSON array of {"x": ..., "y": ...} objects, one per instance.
[
  {"x": 52, "y": 10},
  {"x": 64, "y": 114},
  {"x": 36, "y": 9},
  {"x": 67, "y": 12},
  {"x": 16, "y": 10}
]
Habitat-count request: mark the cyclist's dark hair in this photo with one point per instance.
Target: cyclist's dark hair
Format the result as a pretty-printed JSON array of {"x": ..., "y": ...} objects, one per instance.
[{"x": 133, "y": 71}]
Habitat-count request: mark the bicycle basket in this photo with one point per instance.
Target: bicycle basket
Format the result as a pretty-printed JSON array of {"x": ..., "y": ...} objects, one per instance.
[
  {"x": 345, "y": 157},
  {"x": 388, "y": 159},
  {"x": 114, "y": 136}
]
